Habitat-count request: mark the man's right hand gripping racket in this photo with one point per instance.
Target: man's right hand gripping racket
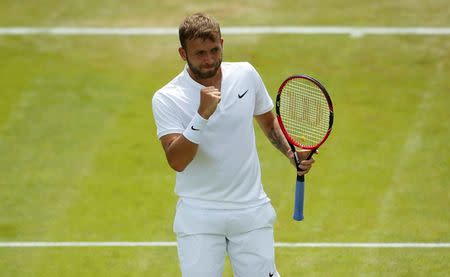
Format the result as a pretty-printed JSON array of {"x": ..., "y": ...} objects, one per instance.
[{"x": 305, "y": 115}]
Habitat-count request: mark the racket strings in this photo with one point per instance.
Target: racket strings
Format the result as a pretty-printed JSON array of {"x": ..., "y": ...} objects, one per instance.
[{"x": 305, "y": 112}]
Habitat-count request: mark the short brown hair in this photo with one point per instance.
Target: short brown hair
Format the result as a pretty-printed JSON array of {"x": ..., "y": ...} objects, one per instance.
[{"x": 198, "y": 25}]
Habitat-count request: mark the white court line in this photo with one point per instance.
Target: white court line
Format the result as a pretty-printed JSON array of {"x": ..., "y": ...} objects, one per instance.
[
  {"x": 238, "y": 30},
  {"x": 31, "y": 244},
  {"x": 364, "y": 245}
]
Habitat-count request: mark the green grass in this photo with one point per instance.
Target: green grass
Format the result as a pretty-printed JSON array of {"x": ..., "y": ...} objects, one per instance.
[
  {"x": 232, "y": 12},
  {"x": 80, "y": 161}
]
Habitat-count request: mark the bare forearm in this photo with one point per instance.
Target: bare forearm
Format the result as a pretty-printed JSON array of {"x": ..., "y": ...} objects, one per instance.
[
  {"x": 179, "y": 151},
  {"x": 271, "y": 129},
  {"x": 276, "y": 137}
]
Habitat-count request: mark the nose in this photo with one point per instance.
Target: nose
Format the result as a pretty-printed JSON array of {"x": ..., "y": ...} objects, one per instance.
[{"x": 209, "y": 59}]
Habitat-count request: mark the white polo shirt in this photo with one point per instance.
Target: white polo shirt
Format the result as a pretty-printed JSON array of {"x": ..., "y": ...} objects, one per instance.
[{"x": 225, "y": 173}]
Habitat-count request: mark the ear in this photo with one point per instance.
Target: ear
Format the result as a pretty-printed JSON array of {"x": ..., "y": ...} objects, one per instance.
[{"x": 182, "y": 53}]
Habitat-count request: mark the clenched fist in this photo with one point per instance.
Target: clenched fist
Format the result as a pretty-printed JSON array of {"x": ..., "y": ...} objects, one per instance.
[{"x": 209, "y": 99}]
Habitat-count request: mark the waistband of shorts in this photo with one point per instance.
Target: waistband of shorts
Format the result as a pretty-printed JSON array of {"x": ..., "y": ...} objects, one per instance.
[{"x": 221, "y": 205}]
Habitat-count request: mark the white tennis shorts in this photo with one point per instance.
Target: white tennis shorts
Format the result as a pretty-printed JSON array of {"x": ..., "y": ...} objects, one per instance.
[{"x": 205, "y": 236}]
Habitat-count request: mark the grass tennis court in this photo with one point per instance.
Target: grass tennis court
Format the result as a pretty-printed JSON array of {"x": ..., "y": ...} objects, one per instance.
[{"x": 80, "y": 161}]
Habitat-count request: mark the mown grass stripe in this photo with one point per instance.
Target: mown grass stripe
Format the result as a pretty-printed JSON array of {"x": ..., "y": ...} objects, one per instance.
[
  {"x": 31, "y": 244},
  {"x": 237, "y": 30}
]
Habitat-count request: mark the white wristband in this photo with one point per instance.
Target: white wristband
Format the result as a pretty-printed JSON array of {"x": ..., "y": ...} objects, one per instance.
[{"x": 194, "y": 129}]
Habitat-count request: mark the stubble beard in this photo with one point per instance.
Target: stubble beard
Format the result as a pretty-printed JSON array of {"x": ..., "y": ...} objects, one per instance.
[{"x": 199, "y": 74}]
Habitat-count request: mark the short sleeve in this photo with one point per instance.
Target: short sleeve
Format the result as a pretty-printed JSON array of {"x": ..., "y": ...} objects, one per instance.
[
  {"x": 165, "y": 116},
  {"x": 263, "y": 101}
]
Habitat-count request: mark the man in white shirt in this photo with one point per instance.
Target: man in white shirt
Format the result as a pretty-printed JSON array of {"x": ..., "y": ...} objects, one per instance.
[{"x": 204, "y": 119}]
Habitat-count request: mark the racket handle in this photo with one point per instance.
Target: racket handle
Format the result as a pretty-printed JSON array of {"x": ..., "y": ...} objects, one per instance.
[
  {"x": 300, "y": 192},
  {"x": 299, "y": 197}
]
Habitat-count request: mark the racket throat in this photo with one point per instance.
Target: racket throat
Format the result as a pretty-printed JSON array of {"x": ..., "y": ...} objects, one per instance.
[{"x": 296, "y": 158}]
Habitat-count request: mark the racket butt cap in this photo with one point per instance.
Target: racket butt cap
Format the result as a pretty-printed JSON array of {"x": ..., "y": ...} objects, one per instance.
[{"x": 298, "y": 217}]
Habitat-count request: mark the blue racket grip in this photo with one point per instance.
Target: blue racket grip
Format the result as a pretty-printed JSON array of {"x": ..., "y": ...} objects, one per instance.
[{"x": 299, "y": 198}]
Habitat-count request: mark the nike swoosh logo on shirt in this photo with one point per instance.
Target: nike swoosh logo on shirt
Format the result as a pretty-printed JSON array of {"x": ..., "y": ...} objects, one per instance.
[
  {"x": 242, "y": 95},
  {"x": 195, "y": 129}
]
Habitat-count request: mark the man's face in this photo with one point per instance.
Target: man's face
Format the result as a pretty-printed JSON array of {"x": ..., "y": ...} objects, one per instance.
[{"x": 203, "y": 57}]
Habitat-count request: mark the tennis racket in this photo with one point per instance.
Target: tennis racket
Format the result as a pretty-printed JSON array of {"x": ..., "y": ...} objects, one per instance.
[{"x": 305, "y": 115}]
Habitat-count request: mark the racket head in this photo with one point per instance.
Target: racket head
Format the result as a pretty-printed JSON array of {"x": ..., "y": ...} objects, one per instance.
[{"x": 304, "y": 111}]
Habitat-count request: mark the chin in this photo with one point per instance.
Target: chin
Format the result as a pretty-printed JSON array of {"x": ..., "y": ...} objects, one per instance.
[{"x": 208, "y": 74}]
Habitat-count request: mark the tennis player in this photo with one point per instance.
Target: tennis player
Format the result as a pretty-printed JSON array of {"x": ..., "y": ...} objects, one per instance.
[{"x": 204, "y": 120}]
